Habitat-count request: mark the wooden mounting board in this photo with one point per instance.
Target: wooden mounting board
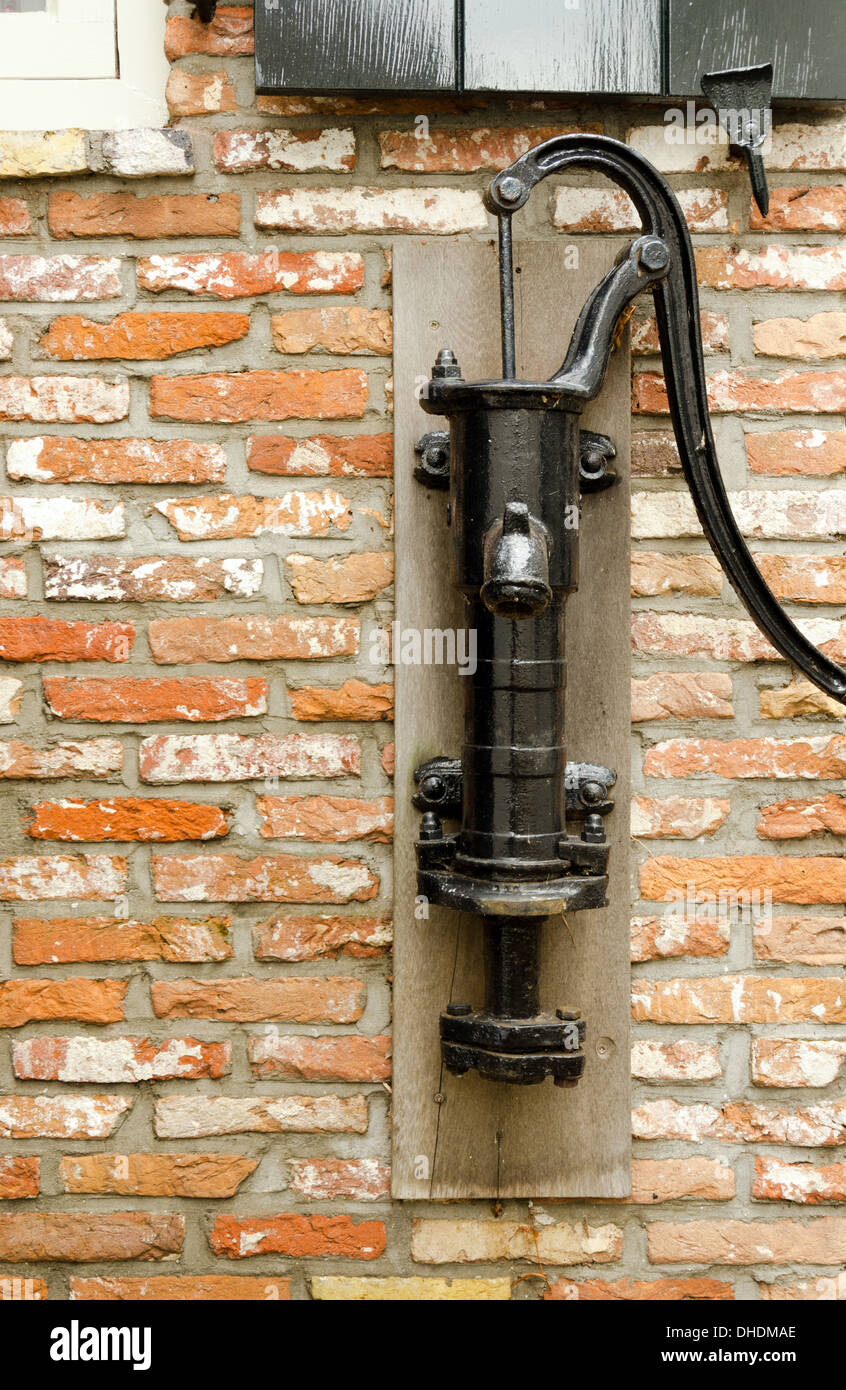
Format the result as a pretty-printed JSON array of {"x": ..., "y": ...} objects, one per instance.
[{"x": 485, "y": 1139}]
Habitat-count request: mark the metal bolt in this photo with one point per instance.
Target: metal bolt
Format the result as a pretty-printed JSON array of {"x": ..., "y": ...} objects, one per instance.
[
  {"x": 446, "y": 365},
  {"x": 433, "y": 788},
  {"x": 592, "y": 793},
  {"x": 594, "y": 830},
  {"x": 439, "y": 1098},
  {"x": 509, "y": 189},
  {"x": 654, "y": 254},
  {"x": 430, "y": 827}
]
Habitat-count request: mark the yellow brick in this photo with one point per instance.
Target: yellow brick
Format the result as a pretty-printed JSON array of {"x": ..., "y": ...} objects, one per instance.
[
  {"x": 343, "y": 1290},
  {"x": 36, "y": 153}
]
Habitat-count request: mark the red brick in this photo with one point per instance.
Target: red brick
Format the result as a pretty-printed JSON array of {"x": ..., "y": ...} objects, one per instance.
[
  {"x": 300, "y": 999},
  {"x": 775, "y": 268},
  {"x": 141, "y": 337},
  {"x": 156, "y": 1175},
  {"x": 59, "y": 458},
  {"x": 128, "y": 701},
  {"x": 819, "y": 756},
  {"x": 656, "y": 938},
  {"x": 55, "y": 1236},
  {"x": 36, "y": 941},
  {"x": 327, "y": 818},
  {"x": 462, "y": 151},
  {"x": 348, "y": 579},
  {"x": 331, "y": 1179},
  {"x": 795, "y": 819},
  {"x": 677, "y": 817},
  {"x": 195, "y": 1117},
  {"x": 804, "y": 209},
  {"x": 340, "y": 330},
  {"x": 784, "y": 453},
  {"x": 137, "y": 216},
  {"x": 14, "y": 217},
  {"x": 42, "y": 877},
  {"x": 428, "y": 211},
  {"x": 301, "y": 1237},
  {"x": 292, "y": 151},
  {"x": 241, "y": 274},
  {"x": 19, "y": 1177},
  {"x": 354, "y": 700},
  {"x": 789, "y": 879},
  {"x": 126, "y": 818},
  {"x": 747, "y": 1242},
  {"x": 237, "y": 757},
  {"x": 118, "y": 1061},
  {"x": 199, "y": 93},
  {"x": 260, "y": 395},
  {"x": 51, "y": 279},
  {"x": 322, "y": 455},
  {"x": 230, "y": 32},
  {"x": 199, "y": 1288},
  {"x": 146, "y": 578},
  {"x": 796, "y": 1061},
  {"x": 638, "y": 1290},
  {"x": 682, "y": 695},
  {"x": 274, "y": 878},
  {"x": 296, "y": 1058},
  {"x": 294, "y": 514},
  {"x": 61, "y": 1117},
  {"x": 733, "y": 391},
  {"x": 739, "y": 1122},
  {"x": 739, "y": 999},
  {"x": 89, "y": 758},
  {"x": 807, "y": 940},
  {"x": 806, "y": 579},
  {"x": 64, "y": 400},
  {"x": 52, "y": 639},
  {"x": 808, "y": 1183},
  {"x": 80, "y": 1000},
  {"x": 316, "y": 938},
  {"x": 250, "y": 638}
]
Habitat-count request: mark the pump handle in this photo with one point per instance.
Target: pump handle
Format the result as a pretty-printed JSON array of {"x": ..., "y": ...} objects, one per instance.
[{"x": 677, "y": 311}]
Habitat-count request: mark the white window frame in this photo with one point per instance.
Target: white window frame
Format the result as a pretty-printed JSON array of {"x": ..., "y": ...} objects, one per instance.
[{"x": 81, "y": 97}]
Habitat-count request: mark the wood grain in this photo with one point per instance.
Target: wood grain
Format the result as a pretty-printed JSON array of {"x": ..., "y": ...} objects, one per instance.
[{"x": 465, "y": 1137}]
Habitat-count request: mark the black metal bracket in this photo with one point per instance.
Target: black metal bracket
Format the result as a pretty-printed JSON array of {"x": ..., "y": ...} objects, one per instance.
[
  {"x": 440, "y": 788},
  {"x": 742, "y": 99},
  {"x": 595, "y": 451},
  {"x": 432, "y": 449}
]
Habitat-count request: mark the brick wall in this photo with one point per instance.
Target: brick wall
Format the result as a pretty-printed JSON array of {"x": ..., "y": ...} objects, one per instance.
[{"x": 194, "y": 1094}]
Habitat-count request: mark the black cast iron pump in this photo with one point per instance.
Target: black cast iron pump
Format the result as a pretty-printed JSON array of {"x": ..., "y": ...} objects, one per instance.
[{"x": 531, "y": 843}]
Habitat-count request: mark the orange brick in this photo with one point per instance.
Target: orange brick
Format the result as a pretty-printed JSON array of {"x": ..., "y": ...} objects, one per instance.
[
  {"x": 14, "y": 217},
  {"x": 230, "y": 32},
  {"x": 19, "y": 1177},
  {"x": 80, "y": 1000},
  {"x": 804, "y": 209},
  {"x": 327, "y": 818},
  {"x": 301, "y": 1237},
  {"x": 295, "y": 1058},
  {"x": 354, "y": 700},
  {"x": 119, "y": 1061},
  {"x": 321, "y": 455},
  {"x": 338, "y": 330},
  {"x": 141, "y": 337},
  {"x": 787, "y": 880},
  {"x": 739, "y": 999},
  {"x": 135, "y": 1235},
  {"x": 58, "y": 939},
  {"x": 260, "y": 395},
  {"x": 319, "y": 938},
  {"x": 328, "y": 1179},
  {"x": 204, "y": 1288},
  {"x": 199, "y": 93},
  {"x": 52, "y": 639},
  {"x": 128, "y": 701},
  {"x": 747, "y": 1242},
  {"x": 156, "y": 1175},
  {"x": 638, "y": 1290},
  {"x": 248, "y": 1000},
  {"x": 242, "y": 274},
  {"x": 153, "y": 215},
  {"x": 126, "y": 818},
  {"x": 783, "y": 453}
]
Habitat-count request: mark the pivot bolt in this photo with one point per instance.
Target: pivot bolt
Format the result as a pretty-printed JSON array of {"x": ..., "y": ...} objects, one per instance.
[
  {"x": 430, "y": 827},
  {"x": 433, "y": 788},
  {"x": 509, "y": 189},
  {"x": 654, "y": 254}
]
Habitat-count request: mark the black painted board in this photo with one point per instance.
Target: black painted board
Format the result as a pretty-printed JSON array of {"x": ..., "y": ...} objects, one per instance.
[
  {"x": 806, "y": 43},
  {"x": 561, "y": 46},
  {"x": 355, "y": 45}
]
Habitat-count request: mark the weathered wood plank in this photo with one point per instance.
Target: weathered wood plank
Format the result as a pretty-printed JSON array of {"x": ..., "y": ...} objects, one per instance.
[{"x": 483, "y": 1139}]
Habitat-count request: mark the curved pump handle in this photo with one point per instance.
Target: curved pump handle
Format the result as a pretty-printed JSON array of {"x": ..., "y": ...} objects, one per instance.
[{"x": 677, "y": 311}]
